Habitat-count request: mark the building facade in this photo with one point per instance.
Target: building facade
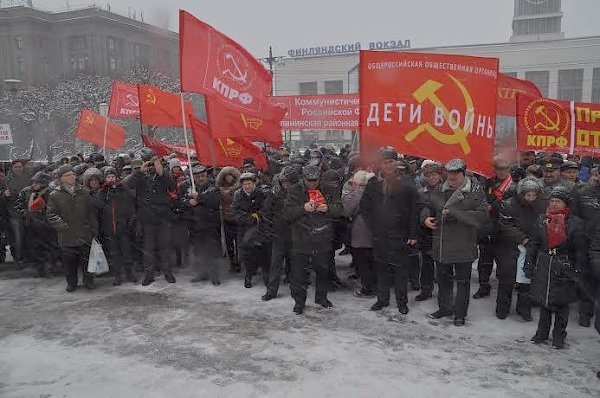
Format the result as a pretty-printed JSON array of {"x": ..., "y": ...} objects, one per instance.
[{"x": 46, "y": 47}]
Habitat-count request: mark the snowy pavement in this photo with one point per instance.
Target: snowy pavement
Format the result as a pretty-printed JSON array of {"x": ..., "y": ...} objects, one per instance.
[{"x": 197, "y": 340}]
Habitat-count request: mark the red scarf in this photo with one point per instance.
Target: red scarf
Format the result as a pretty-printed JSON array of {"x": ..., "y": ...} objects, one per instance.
[
  {"x": 501, "y": 190},
  {"x": 556, "y": 227}
]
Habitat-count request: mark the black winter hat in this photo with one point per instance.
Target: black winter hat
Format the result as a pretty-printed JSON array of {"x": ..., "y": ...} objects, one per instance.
[
  {"x": 109, "y": 171},
  {"x": 42, "y": 178},
  {"x": 569, "y": 164},
  {"x": 64, "y": 169},
  {"x": 147, "y": 154},
  {"x": 311, "y": 172},
  {"x": 289, "y": 174},
  {"x": 562, "y": 193}
]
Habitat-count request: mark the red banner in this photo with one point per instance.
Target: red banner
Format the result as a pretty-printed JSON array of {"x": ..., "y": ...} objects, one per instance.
[
  {"x": 558, "y": 126},
  {"x": 508, "y": 88},
  {"x": 226, "y": 122},
  {"x": 433, "y": 106},
  {"x": 164, "y": 148},
  {"x": 124, "y": 101},
  {"x": 91, "y": 128},
  {"x": 319, "y": 112},
  {"x": 226, "y": 151},
  {"x": 213, "y": 64},
  {"x": 161, "y": 108}
]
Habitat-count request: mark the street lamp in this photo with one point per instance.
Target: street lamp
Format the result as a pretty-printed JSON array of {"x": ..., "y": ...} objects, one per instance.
[{"x": 103, "y": 109}]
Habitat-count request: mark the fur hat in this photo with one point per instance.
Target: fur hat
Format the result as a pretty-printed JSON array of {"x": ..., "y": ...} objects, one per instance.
[
  {"x": 529, "y": 185},
  {"x": 562, "y": 193}
]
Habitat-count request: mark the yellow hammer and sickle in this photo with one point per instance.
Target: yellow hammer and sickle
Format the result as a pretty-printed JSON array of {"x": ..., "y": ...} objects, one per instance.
[
  {"x": 427, "y": 92},
  {"x": 89, "y": 119},
  {"x": 150, "y": 97},
  {"x": 223, "y": 146},
  {"x": 550, "y": 125}
]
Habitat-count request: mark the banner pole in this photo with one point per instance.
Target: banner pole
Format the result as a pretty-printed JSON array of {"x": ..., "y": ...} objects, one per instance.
[
  {"x": 105, "y": 133},
  {"x": 187, "y": 145},
  {"x": 572, "y": 110},
  {"x": 211, "y": 146}
]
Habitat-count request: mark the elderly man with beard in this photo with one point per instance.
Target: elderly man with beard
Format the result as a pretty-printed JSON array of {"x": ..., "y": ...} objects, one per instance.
[{"x": 389, "y": 208}]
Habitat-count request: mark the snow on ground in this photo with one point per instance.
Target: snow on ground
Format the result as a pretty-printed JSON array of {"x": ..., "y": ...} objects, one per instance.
[{"x": 196, "y": 340}]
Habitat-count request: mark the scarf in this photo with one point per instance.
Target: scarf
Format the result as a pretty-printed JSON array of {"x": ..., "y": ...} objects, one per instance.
[
  {"x": 556, "y": 227},
  {"x": 500, "y": 191}
]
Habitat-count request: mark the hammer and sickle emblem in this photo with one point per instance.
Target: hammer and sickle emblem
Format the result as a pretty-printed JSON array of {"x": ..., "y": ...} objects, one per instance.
[
  {"x": 236, "y": 74},
  {"x": 151, "y": 97},
  {"x": 89, "y": 119},
  {"x": 428, "y": 92},
  {"x": 550, "y": 125}
]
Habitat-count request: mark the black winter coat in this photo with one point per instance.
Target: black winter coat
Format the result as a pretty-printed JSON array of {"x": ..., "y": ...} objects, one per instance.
[
  {"x": 455, "y": 239},
  {"x": 311, "y": 232},
  {"x": 244, "y": 206},
  {"x": 276, "y": 228},
  {"x": 586, "y": 205},
  {"x": 517, "y": 220},
  {"x": 153, "y": 204},
  {"x": 555, "y": 272},
  {"x": 116, "y": 206},
  {"x": 490, "y": 228},
  {"x": 205, "y": 216},
  {"x": 36, "y": 220},
  {"x": 392, "y": 220}
]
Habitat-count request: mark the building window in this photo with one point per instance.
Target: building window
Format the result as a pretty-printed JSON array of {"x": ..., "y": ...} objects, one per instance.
[
  {"x": 73, "y": 64},
  {"x": 334, "y": 87},
  {"x": 308, "y": 88},
  {"x": 77, "y": 43},
  {"x": 112, "y": 65},
  {"x": 82, "y": 62},
  {"x": 596, "y": 86},
  {"x": 112, "y": 44},
  {"x": 19, "y": 40},
  {"x": 570, "y": 84},
  {"x": 21, "y": 62},
  {"x": 541, "y": 79}
]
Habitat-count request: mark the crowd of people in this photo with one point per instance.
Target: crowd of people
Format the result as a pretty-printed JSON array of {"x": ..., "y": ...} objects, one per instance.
[{"x": 408, "y": 223}]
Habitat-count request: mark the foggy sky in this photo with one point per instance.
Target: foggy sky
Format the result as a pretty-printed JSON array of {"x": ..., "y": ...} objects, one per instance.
[{"x": 292, "y": 24}]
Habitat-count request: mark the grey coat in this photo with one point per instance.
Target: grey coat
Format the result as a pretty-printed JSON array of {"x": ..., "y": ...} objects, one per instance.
[
  {"x": 455, "y": 239},
  {"x": 360, "y": 234}
]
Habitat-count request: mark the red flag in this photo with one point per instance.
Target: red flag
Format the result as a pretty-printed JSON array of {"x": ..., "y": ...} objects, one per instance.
[
  {"x": 213, "y": 64},
  {"x": 161, "y": 108},
  {"x": 164, "y": 148},
  {"x": 91, "y": 128},
  {"x": 226, "y": 122},
  {"x": 226, "y": 151},
  {"x": 508, "y": 88},
  {"x": 124, "y": 101},
  {"x": 434, "y": 106}
]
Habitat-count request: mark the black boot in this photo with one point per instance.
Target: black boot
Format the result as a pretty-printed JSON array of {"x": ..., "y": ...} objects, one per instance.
[
  {"x": 585, "y": 320},
  {"x": 71, "y": 288},
  {"x": 169, "y": 277},
  {"x": 503, "y": 300},
  {"x": 298, "y": 309},
  {"x": 424, "y": 295},
  {"x": 441, "y": 313},
  {"x": 268, "y": 297},
  {"x": 379, "y": 305},
  {"x": 484, "y": 291},
  {"x": 325, "y": 303},
  {"x": 148, "y": 279},
  {"x": 524, "y": 302},
  {"x": 248, "y": 282},
  {"x": 403, "y": 309}
]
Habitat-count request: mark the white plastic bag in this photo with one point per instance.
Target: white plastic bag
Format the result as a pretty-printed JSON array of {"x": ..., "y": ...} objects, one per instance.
[
  {"x": 97, "y": 263},
  {"x": 521, "y": 278}
]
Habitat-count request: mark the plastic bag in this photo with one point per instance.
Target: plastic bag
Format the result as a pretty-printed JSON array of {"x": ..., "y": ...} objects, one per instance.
[
  {"x": 521, "y": 278},
  {"x": 97, "y": 263}
]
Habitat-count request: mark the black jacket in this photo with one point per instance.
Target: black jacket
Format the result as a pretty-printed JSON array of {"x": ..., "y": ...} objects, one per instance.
[
  {"x": 392, "y": 219},
  {"x": 555, "y": 272},
  {"x": 490, "y": 227},
  {"x": 153, "y": 204},
  {"x": 517, "y": 220},
  {"x": 244, "y": 207},
  {"x": 586, "y": 205},
  {"x": 116, "y": 206},
  {"x": 204, "y": 217},
  {"x": 311, "y": 232},
  {"x": 276, "y": 227},
  {"x": 33, "y": 219}
]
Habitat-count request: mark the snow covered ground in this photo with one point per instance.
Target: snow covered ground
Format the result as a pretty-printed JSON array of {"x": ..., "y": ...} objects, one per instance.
[{"x": 196, "y": 340}]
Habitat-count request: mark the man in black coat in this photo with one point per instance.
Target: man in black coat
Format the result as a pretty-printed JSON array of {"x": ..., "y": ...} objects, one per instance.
[
  {"x": 279, "y": 231},
  {"x": 152, "y": 185},
  {"x": 248, "y": 202},
  {"x": 15, "y": 183},
  {"x": 311, "y": 208},
  {"x": 389, "y": 208},
  {"x": 204, "y": 223},
  {"x": 116, "y": 206}
]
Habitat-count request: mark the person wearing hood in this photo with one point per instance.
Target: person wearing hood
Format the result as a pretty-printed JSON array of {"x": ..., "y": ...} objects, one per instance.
[
  {"x": 278, "y": 229},
  {"x": 116, "y": 206},
  {"x": 361, "y": 239},
  {"x": 556, "y": 254},
  {"x": 71, "y": 212},
  {"x": 32, "y": 205},
  {"x": 248, "y": 203},
  {"x": 152, "y": 185},
  {"x": 515, "y": 228},
  {"x": 228, "y": 182},
  {"x": 310, "y": 208},
  {"x": 389, "y": 208},
  {"x": 204, "y": 225},
  {"x": 93, "y": 180},
  {"x": 455, "y": 213}
]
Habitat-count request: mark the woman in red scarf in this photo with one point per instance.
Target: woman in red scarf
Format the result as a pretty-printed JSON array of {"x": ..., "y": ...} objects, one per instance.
[{"x": 555, "y": 256}]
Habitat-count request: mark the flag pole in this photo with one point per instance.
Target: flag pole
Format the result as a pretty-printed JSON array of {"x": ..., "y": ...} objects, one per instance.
[
  {"x": 105, "y": 133},
  {"x": 187, "y": 145},
  {"x": 211, "y": 147}
]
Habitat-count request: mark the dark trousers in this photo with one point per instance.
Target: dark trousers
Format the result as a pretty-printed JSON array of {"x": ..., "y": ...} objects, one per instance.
[
  {"x": 461, "y": 272},
  {"x": 42, "y": 247},
  {"x": 280, "y": 254},
  {"x": 524, "y": 301},
  {"x": 414, "y": 268},
  {"x": 561, "y": 318},
  {"x": 16, "y": 237},
  {"x": 119, "y": 254},
  {"x": 157, "y": 244},
  {"x": 300, "y": 274},
  {"x": 365, "y": 266},
  {"x": 585, "y": 293},
  {"x": 180, "y": 236},
  {"x": 74, "y": 259},
  {"x": 255, "y": 257},
  {"x": 393, "y": 273},
  {"x": 207, "y": 251},
  {"x": 485, "y": 264},
  {"x": 427, "y": 272},
  {"x": 231, "y": 242},
  {"x": 506, "y": 271}
]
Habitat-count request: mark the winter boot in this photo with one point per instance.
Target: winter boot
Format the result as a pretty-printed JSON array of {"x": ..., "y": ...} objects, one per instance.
[
  {"x": 364, "y": 293},
  {"x": 71, "y": 288},
  {"x": 524, "y": 302},
  {"x": 441, "y": 313},
  {"x": 169, "y": 277},
  {"x": 248, "y": 282},
  {"x": 148, "y": 279},
  {"x": 118, "y": 281},
  {"x": 298, "y": 309},
  {"x": 503, "y": 301},
  {"x": 379, "y": 305},
  {"x": 403, "y": 309},
  {"x": 484, "y": 291},
  {"x": 325, "y": 303},
  {"x": 424, "y": 295}
]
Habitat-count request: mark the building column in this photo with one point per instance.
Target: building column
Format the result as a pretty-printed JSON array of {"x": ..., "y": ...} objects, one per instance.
[
  {"x": 586, "y": 93},
  {"x": 553, "y": 84}
]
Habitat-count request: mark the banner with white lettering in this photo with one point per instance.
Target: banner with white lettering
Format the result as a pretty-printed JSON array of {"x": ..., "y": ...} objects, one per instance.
[
  {"x": 5, "y": 134},
  {"x": 319, "y": 112}
]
